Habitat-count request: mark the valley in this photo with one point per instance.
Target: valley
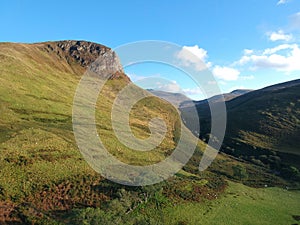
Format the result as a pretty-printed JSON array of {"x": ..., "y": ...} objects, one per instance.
[{"x": 45, "y": 179}]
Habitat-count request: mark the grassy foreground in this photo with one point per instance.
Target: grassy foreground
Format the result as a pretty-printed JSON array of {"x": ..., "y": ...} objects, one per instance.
[{"x": 241, "y": 205}]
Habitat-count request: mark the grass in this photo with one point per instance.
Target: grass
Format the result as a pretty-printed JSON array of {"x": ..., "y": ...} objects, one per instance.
[
  {"x": 240, "y": 205},
  {"x": 36, "y": 96},
  {"x": 141, "y": 113},
  {"x": 43, "y": 172},
  {"x": 36, "y": 140}
]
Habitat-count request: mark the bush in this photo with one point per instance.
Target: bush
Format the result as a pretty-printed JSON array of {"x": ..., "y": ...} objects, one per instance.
[
  {"x": 290, "y": 172},
  {"x": 93, "y": 216},
  {"x": 240, "y": 172}
]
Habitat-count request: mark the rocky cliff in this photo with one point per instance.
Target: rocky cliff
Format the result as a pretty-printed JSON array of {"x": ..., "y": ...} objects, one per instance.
[{"x": 87, "y": 55}]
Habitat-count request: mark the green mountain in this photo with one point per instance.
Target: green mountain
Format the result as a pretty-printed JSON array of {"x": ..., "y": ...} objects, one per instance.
[
  {"x": 45, "y": 180},
  {"x": 276, "y": 112},
  {"x": 38, "y": 83},
  {"x": 262, "y": 126}
]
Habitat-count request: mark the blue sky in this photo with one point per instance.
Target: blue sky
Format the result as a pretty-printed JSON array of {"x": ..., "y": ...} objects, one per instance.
[{"x": 246, "y": 44}]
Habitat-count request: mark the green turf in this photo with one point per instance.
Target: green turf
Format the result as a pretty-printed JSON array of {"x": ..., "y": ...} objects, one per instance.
[{"x": 240, "y": 205}]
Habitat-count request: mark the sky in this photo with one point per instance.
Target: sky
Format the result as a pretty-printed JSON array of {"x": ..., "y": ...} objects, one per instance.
[{"x": 245, "y": 44}]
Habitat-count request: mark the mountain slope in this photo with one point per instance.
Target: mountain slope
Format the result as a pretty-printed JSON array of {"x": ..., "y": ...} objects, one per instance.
[
  {"x": 41, "y": 167},
  {"x": 262, "y": 126},
  {"x": 37, "y": 86},
  {"x": 44, "y": 178},
  {"x": 38, "y": 83},
  {"x": 268, "y": 118}
]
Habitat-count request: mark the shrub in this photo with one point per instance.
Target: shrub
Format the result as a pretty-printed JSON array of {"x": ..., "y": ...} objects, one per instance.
[
  {"x": 290, "y": 172},
  {"x": 91, "y": 216},
  {"x": 240, "y": 172}
]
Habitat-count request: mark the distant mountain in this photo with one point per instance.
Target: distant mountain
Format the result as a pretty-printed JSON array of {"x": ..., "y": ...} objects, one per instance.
[
  {"x": 181, "y": 100},
  {"x": 175, "y": 98},
  {"x": 239, "y": 92},
  {"x": 260, "y": 123},
  {"x": 217, "y": 98}
]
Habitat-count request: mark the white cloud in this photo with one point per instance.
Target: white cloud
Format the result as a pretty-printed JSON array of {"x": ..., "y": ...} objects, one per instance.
[
  {"x": 294, "y": 23},
  {"x": 170, "y": 86},
  {"x": 248, "y": 51},
  {"x": 193, "y": 56},
  {"x": 278, "y": 48},
  {"x": 280, "y": 36},
  {"x": 134, "y": 77},
  {"x": 225, "y": 73},
  {"x": 192, "y": 91},
  {"x": 272, "y": 58},
  {"x": 280, "y": 2}
]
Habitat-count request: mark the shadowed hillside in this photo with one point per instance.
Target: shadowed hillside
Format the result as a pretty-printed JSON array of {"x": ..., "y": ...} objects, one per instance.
[{"x": 262, "y": 126}]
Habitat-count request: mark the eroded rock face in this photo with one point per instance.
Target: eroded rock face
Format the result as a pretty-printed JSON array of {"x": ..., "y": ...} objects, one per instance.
[
  {"x": 98, "y": 58},
  {"x": 107, "y": 64}
]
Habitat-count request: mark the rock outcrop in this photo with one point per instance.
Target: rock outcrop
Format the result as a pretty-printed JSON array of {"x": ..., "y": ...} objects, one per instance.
[{"x": 90, "y": 55}]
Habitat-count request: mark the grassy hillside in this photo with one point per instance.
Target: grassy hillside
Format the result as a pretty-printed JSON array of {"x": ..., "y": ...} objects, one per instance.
[
  {"x": 38, "y": 150},
  {"x": 44, "y": 178},
  {"x": 262, "y": 127},
  {"x": 38, "y": 82},
  {"x": 276, "y": 113}
]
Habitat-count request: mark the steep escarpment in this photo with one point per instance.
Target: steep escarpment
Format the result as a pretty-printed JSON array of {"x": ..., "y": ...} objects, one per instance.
[
  {"x": 85, "y": 54},
  {"x": 82, "y": 52}
]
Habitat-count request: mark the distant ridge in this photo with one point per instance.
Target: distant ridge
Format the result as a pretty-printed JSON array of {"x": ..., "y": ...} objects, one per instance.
[
  {"x": 175, "y": 98},
  {"x": 217, "y": 98}
]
